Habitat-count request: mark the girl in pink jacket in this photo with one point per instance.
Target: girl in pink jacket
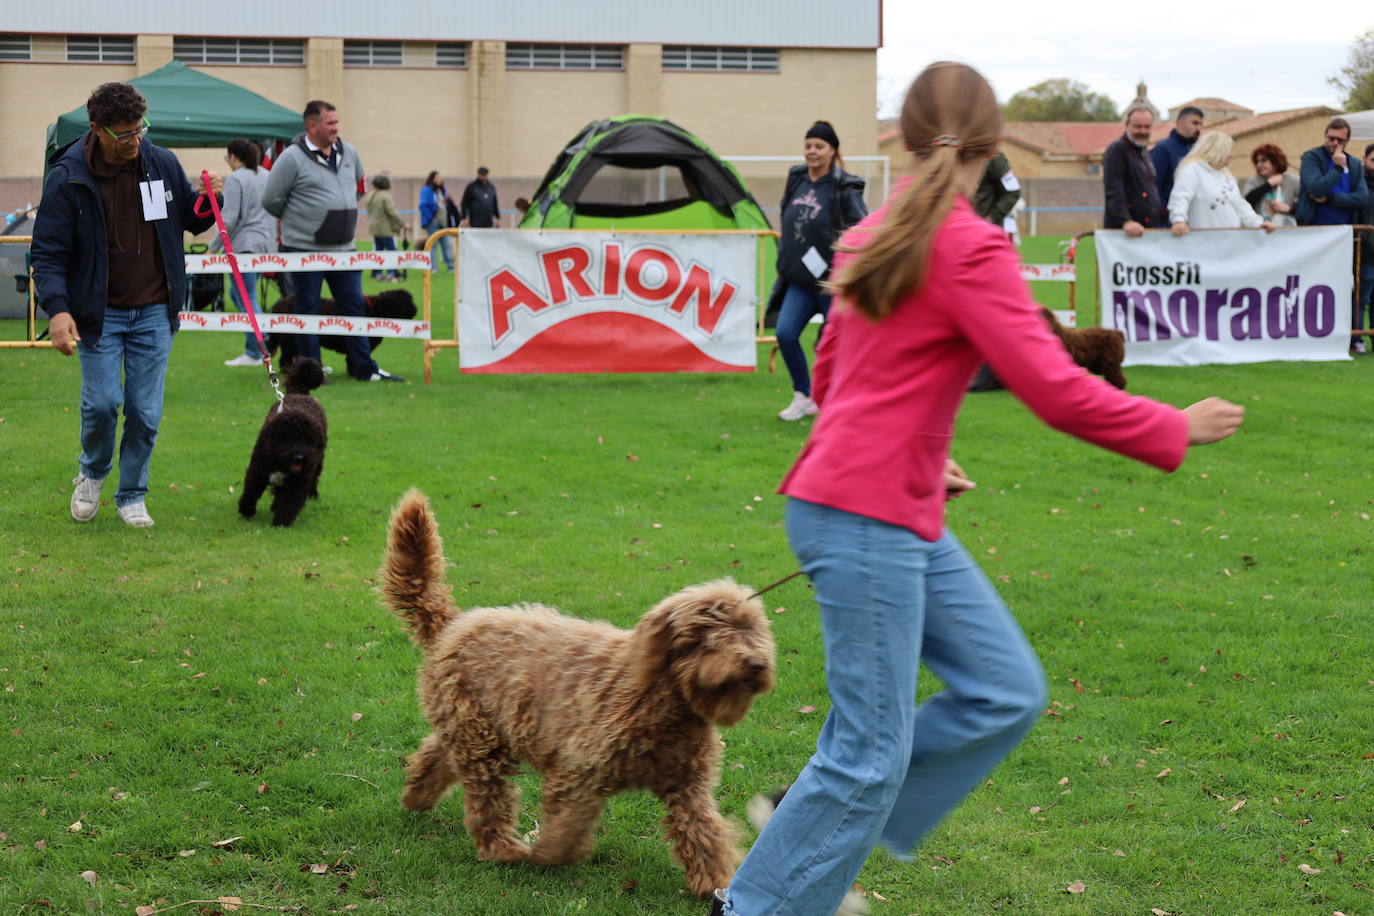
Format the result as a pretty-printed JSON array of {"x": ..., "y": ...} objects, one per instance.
[{"x": 925, "y": 291}]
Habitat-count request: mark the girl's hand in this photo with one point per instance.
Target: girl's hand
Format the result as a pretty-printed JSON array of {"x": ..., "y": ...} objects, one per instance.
[
  {"x": 1212, "y": 420},
  {"x": 956, "y": 481}
]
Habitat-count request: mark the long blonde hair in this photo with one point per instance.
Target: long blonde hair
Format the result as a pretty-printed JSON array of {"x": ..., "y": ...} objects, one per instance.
[
  {"x": 950, "y": 117},
  {"x": 1212, "y": 148}
]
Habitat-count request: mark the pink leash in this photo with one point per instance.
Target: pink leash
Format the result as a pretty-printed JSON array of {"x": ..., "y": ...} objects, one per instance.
[{"x": 238, "y": 281}]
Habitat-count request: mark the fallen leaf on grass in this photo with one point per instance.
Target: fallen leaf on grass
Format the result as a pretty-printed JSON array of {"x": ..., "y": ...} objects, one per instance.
[
  {"x": 230, "y": 903},
  {"x": 356, "y": 716},
  {"x": 75, "y": 828},
  {"x": 1237, "y": 806},
  {"x": 1076, "y": 684},
  {"x": 186, "y": 853},
  {"x": 1162, "y": 773},
  {"x": 145, "y": 910},
  {"x": 1308, "y": 869},
  {"x": 90, "y": 877},
  {"x": 226, "y": 842},
  {"x": 318, "y": 868},
  {"x": 805, "y": 709},
  {"x": 1077, "y": 887},
  {"x": 1156, "y": 911}
]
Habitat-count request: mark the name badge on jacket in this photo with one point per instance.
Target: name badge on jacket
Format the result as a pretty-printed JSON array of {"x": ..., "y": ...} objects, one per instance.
[{"x": 154, "y": 200}]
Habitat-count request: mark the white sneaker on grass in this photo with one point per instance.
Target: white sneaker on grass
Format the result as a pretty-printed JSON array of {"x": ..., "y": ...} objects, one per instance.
[
  {"x": 135, "y": 515},
  {"x": 86, "y": 497},
  {"x": 243, "y": 359},
  {"x": 801, "y": 406}
]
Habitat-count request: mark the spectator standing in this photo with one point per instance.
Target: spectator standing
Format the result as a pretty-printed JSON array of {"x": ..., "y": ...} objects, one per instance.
[
  {"x": 1333, "y": 192},
  {"x": 433, "y": 214},
  {"x": 479, "y": 206},
  {"x": 1128, "y": 178},
  {"x": 820, "y": 201},
  {"x": 1205, "y": 194},
  {"x": 998, "y": 191},
  {"x": 1333, "y": 189},
  {"x": 1365, "y": 307},
  {"x": 251, "y": 230},
  {"x": 384, "y": 222},
  {"x": 1272, "y": 191},
  {"x": 108, "y": 262},
  {"x": 925, "y": 289},
  {"x": 314, "y": 188},
  {"x": 1170, "y": 151}
]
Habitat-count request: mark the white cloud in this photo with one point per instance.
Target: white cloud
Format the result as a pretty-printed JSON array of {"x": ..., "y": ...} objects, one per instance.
[{"x": 1263, "y": 55}]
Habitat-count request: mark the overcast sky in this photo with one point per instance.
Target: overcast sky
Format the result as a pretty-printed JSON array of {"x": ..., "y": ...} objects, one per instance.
[{"x": 1262, "y": 54}]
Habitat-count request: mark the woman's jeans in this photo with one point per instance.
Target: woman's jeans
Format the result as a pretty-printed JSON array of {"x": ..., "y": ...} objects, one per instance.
[
  {"x": 250, "y": 283},
  {"x": 799, "y": 305},
  {"x": 134, "y": 344},
  {"x": 445, "y": 245},
  {"x": 384, "y": 243},
  {"x": 886, "y": 770}
]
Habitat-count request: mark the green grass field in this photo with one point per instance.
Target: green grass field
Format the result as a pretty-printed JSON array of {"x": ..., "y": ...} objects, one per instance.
[{"x": 216, "y": 708}]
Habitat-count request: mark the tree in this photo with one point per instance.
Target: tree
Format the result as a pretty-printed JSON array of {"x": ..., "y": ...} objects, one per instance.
[
  {"x": 1059, "y": 100},
  {"x": 1356, "y": 78}
]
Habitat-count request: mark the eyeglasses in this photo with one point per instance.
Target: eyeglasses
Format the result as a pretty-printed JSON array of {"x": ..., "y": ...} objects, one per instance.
[
  {"x": 130, "y": 135},
  {"x": 1337, "y": 139}
]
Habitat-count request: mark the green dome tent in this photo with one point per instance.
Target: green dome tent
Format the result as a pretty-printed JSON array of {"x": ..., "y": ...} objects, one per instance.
[
  {"x": 190, "y": 108},
  {"x": 714, "y": 197}
]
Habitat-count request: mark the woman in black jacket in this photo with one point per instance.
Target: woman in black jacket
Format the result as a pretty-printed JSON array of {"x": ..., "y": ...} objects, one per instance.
[{"x": 820, "y": 202}]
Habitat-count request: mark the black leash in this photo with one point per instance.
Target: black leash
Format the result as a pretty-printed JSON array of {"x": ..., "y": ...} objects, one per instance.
[{"x": 769, "y": 588}]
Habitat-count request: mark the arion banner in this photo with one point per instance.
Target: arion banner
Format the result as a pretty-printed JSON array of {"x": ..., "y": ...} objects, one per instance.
[
  {"x": 532, "y": 301},
  {"x": 1228, "y": 295}
]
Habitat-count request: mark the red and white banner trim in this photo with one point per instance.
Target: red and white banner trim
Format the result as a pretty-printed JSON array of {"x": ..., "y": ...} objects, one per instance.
[
  {"x": 333, "y": 325},
  {"x": 1064, "y": 272},
  {"x": 293, "y": 261}
]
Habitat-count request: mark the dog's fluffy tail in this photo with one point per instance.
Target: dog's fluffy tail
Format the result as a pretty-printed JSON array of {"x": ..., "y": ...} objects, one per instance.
[
  {"x": 413, "y": 571},
  {"x": 304, "y": 376}
]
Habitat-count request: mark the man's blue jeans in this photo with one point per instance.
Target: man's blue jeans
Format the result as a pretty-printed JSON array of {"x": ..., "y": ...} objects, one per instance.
[
  {"x": 347, "y": 289},
  {"x": 445, "y": 244},
  {"x": 886, "y": 770},
  {"x": 125, "y": 368},
  {"x": 799, "y": 306}
]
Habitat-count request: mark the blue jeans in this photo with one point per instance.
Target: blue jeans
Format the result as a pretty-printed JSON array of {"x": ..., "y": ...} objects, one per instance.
[
  {"x": 135, "y": 343},
  {"x": 347, "y": 288},
  {"x": 445, "y": 245},
  {"x": 250, "y": 282},
  {"x": 384, "y": 243},
  {"x": 799, "y": 305},
  {"x": 886, "y": 770}
]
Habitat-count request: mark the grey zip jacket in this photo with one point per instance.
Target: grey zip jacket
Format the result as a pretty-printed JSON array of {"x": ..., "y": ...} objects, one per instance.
[{"x": 317, "y": 203}]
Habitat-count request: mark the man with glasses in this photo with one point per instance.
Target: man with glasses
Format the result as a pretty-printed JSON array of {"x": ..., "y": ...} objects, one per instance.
[
  {"x": 1333, "y": 192},
  {"x": 107, "y": 259}
]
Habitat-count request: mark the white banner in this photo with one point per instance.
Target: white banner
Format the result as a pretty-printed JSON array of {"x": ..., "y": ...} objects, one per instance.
[
  {"x": 1229, "y": 295},
  {"x": 532, "y": 301},
  {"x": 332, "y": 325},
  {"x": 293, "y": 261}
]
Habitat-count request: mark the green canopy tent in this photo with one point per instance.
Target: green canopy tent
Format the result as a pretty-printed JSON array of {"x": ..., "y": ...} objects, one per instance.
[
  {"x": 713, "y": 195},
  {"x": 190, "y": 108}
]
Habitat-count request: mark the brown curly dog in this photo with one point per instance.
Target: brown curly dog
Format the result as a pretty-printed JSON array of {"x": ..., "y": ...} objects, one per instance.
[{"x": 595, "y": 709}]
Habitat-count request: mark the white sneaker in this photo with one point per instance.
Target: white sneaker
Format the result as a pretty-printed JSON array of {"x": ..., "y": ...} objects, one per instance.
[
  {"x": 135, "y": 515},
  {"x": 1361, "y": 346},
  {"x": 381, "y": 375},
  {"x": 243, "y": 359},
  {"x": 86, "y": 497},
  {"x": 801, "y": 406}
]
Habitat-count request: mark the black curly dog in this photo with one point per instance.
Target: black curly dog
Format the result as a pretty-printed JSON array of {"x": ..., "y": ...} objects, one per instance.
[
  {"x": 289, "y": 453},
  {"x": 389, "y": 303}
]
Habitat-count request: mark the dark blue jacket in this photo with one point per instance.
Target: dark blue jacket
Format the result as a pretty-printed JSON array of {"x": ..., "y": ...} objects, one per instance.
[
  {"x": 1318, "y": 176},
  {"x": 1166, "y": 156},
  {"x": 69, "y": 251}
]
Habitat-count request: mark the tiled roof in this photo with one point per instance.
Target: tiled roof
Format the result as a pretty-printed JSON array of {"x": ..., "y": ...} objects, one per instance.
[
  {"x": 1211, "y": 104},
  {"x": 1090, "y": 138}
]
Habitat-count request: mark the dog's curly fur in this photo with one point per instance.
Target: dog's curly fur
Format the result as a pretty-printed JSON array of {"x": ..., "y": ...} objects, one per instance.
[
  {"x": 289, "y": 452},
  {"x": 595, "y": 709},
  {"x": 1099, "y": 350},
  {"x": 389, "y": 303}
]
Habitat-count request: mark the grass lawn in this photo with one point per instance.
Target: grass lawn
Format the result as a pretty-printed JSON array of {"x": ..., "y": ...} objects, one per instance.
[{"x": 216, "y": 708}]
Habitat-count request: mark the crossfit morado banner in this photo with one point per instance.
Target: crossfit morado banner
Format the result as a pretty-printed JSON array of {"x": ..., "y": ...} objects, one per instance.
[
  {"x": 1228, "y": 295},
  {"x": 532, "y": 301}
]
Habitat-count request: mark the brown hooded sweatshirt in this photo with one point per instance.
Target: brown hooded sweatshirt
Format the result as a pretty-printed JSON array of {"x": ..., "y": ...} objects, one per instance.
[{"x": 136, "y": 276}]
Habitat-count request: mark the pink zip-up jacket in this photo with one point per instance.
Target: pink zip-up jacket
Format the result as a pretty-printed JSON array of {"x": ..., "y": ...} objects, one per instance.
[{"x": 889, "y": 390}]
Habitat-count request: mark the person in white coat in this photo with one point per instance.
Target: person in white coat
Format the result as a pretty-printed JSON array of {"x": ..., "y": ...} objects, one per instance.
[{"x": 1205, "y": 194}]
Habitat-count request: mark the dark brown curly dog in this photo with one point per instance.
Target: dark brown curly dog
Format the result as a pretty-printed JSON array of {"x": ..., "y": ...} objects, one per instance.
[
  {"x": 1099, "y": 350},
  {"x": 289, "y": 453},
  {"x": 389, "y": 303},
  {"x": 595, "y": 709}
]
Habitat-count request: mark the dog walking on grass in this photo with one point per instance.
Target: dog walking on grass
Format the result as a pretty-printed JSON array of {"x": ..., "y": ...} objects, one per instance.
[
  {"x": 596, "y": 710},
  {"x": 289, "y": 453}
]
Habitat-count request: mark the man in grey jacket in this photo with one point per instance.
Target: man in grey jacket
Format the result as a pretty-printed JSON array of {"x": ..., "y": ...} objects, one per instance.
[{"x": 314, "y": 188}]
